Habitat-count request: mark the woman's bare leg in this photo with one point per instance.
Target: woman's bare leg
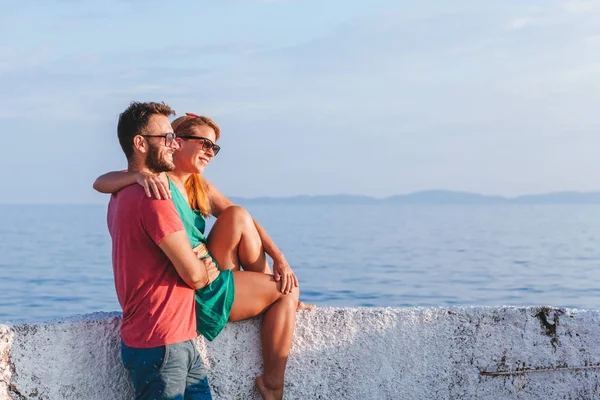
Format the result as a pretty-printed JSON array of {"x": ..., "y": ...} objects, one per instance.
[
  {"x": 234, "y": 241},
  {"x": 305, "y": 306},
  {"x": 256, "y": 293}
]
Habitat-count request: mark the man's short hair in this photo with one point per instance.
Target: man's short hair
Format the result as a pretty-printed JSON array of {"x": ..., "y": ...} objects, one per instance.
[{"x": 134, "y": 120}]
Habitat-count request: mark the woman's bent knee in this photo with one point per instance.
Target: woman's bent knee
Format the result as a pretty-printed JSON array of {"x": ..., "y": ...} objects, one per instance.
[
  {"x": 292, "y": 297},
  {"x": 237, "y": 213}
]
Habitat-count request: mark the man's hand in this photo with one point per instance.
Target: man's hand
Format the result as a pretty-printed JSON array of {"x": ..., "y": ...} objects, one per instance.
[
  {"x": 177, "y": 247},
  {"x": 283, "y": 272},
  {"x": 154, "y": 184},
  {"x": 211, "y": 269}
]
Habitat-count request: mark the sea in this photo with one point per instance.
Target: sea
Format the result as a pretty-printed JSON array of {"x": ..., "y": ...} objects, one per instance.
[{"x": 55, "y": 260}]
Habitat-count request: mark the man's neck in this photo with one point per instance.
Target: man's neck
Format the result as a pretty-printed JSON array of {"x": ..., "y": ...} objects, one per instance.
[{"x": 136, "y": 166}]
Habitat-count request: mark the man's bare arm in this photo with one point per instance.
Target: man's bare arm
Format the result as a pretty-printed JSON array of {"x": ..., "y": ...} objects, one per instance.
[
  {"x": 114, "y": 181},
  {"x": 153, "y": 184},
  {"x": 193, "y": 271}
]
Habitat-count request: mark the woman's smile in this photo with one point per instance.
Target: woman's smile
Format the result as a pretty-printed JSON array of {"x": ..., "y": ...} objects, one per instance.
[{"x": 203, "y": 160}]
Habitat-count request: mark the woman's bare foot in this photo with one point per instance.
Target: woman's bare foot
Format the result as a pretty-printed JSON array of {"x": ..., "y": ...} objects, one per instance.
[
  {"x": 266, "y": 393},
  {"x": 305, "y": 306}
]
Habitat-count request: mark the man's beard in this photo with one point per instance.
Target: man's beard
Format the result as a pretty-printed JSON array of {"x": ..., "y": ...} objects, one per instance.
[{"x": 156, "y": 163}]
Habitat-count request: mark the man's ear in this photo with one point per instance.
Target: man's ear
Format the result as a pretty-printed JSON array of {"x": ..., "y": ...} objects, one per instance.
[{"x": 140, "y": 144}]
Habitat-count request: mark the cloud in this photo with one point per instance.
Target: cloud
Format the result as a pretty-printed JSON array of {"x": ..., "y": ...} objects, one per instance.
[
  {"x": 520, "y": 23},
  {"x": 581, "y": 6},
  {"x": 14, "y": 58},
  {"x": 420, "y": 70},
  {"x": 448, "y": 93}
]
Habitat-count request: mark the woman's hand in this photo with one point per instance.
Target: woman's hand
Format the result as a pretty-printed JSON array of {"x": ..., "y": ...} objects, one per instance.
[
  {"x": 211, "y": 269},
  {"x": 154, "y": 184},
  {"x": 283, "y": 272}
]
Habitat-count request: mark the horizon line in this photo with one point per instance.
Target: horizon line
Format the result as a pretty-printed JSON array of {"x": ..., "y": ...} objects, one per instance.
[{"x": 271, "y": 197}]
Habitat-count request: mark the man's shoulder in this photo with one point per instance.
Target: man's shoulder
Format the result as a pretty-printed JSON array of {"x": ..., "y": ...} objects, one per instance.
[
  {"x": 131, "y": 192},
  {"x": 134, "y": 197},
  {"x": 131, "y": 196},
  {"x": 126, "y": 202}
]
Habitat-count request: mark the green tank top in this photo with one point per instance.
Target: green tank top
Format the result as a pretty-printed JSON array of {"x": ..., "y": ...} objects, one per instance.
[
  {"x": 193, "y": 221},
  {"x": 213, "y": 302}
]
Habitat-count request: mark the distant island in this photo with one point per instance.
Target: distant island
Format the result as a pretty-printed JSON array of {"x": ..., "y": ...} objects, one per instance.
[{"x": 430, "y": 197}]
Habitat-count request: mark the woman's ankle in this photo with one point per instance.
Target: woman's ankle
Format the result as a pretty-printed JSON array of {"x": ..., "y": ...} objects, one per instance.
[{"x": 271, "y": 384}]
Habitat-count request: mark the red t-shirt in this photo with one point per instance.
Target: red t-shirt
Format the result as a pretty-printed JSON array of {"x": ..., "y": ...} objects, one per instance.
[{"x": 158, "y": 306}]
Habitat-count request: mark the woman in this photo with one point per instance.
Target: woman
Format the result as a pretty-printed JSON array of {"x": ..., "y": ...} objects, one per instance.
[{"x": 235, "y": 240}]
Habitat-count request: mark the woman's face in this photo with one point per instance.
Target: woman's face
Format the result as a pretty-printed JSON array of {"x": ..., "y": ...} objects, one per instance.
[{"x": 192, "y": 156}]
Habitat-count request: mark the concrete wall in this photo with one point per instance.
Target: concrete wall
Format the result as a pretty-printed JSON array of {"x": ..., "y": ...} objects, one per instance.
[{"x": 338, "y": 353}]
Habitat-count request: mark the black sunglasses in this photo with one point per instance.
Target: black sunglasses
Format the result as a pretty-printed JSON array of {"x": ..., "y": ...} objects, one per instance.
[
  {"x": 207, "y": 144},
  {"x": 169, "y": 138}
]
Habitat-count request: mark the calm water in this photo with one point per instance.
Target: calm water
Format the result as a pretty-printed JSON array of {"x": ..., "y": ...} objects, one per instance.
[{"x": 55, "y": 260}]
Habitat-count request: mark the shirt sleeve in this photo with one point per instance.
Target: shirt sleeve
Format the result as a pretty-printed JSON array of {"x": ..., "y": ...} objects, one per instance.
[{"x": 159, "y": 218}]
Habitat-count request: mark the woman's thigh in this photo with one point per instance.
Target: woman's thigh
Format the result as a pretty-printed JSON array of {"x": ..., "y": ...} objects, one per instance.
[
  {"x": 254, "y": 293},
  {"x": 223, "y": 242},
  {"x": 234, "y": 241}
]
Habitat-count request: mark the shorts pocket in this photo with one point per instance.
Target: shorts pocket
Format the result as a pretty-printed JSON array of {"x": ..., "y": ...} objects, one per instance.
[{"x": 165, "y": 358}]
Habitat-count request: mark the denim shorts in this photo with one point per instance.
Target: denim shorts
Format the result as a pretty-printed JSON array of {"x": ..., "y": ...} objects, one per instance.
[{"x": 171, "y": 372}]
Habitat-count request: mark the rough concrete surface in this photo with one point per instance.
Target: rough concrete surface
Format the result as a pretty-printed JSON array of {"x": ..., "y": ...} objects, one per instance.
[{"x": 337, "y": 353}]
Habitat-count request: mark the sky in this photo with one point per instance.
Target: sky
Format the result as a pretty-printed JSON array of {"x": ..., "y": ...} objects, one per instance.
[{"x": 313, "y": 97}]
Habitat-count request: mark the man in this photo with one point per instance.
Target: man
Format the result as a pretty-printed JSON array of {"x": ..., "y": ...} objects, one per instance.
[{"x": 155, "y": 269}]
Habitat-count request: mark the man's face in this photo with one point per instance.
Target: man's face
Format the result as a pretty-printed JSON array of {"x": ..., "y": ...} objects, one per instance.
[{"x": 160, "y": 156}]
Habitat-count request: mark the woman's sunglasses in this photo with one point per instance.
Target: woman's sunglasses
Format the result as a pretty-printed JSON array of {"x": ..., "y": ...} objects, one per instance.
[{"x": 207, "y": 144}]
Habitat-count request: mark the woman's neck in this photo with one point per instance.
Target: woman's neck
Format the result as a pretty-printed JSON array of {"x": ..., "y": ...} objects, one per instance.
[{"x": 179, "y": 178}]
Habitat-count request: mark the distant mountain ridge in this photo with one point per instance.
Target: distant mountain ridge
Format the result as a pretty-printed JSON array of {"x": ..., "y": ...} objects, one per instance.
[{"x": 432, "y": 197}]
